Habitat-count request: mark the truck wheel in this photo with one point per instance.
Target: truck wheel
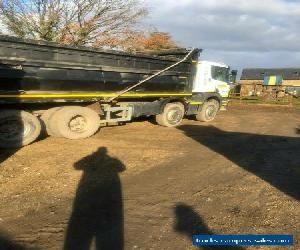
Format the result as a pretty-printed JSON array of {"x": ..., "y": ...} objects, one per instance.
[
  {"x": 46, "y": 121},
  {"x": 74, "y": 122},
  {"x": 209, "y": 111},
  {"x": 18, "y": 128},
  {"x": 172, "y": 115}
]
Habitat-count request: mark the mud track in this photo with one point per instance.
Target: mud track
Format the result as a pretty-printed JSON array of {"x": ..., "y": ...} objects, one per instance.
[{"x": 142, "y": 186}]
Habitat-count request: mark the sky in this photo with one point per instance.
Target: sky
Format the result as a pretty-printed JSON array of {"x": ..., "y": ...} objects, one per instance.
[{"x": 241, "y": 33}]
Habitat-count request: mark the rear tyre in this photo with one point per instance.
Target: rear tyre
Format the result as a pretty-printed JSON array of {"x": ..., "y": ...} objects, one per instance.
[
  {"x": 209, "y": 111},
  {"x": 18, "y": 128},
  {"x": 172, "y": 115},
  {"x": 74, "y": 122},
  {"x": 46, "y": 121}
]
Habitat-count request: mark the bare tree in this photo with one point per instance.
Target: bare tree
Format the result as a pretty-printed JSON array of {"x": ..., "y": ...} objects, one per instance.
[{"x": 76, "y": 22}]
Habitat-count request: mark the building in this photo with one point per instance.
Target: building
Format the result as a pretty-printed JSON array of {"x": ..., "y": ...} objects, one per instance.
[{"x": 253, "y": 81}]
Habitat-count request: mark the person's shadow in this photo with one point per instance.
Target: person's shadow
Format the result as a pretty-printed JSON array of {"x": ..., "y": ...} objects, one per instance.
[
  {"x": 98, "y": 207},
  {"x": 189, "y": 223},
  {"x": 8, "y": 244}
]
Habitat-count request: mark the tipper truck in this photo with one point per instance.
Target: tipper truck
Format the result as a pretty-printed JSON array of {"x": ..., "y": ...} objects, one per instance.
[{"x": 71, "y": 91}]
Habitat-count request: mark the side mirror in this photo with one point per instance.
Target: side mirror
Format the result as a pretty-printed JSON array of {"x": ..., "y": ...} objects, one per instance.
[
  {"x": 233, "y": 76},
  {"x": 234, "y": 72}
]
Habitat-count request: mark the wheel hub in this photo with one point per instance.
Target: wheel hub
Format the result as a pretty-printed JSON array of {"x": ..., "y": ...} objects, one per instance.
[
  {"x": 78, "y": 124},
  {"x": 211, "y": 111},
  {"x": 174, "y": 116}
]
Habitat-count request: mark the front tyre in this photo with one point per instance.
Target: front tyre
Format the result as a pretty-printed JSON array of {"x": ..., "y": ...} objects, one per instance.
[
  {"x": 172, "y": 115},
  {"x": 209, "y": 111},
  {"x": 18, "y": 128}
]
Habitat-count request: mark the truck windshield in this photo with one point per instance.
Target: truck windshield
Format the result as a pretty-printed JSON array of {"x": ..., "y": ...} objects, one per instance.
[{"x": 220, "y": 73}]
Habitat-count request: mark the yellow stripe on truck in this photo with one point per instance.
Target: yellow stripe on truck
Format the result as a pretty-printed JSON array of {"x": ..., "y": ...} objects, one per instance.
[
  {"x": 196, "y": 103},
  {"x": 83, "y": 95}
]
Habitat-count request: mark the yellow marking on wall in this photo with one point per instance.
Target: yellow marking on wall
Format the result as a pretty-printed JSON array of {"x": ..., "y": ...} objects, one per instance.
[
  {"x": 82, "y": 95},
  {"x": 272, "y": 81}
]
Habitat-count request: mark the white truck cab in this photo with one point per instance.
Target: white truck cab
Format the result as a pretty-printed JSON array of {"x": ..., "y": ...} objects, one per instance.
[{"x": 212, "y": 77}]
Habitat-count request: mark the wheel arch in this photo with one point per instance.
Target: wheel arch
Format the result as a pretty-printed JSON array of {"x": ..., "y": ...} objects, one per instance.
[{"x": 172, "y": 100}]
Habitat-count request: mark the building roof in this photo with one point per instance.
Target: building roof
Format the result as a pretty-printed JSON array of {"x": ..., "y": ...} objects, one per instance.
[{"x": 260, "y": 73}]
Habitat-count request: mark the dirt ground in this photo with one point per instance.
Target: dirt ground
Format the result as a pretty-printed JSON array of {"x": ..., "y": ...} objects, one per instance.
[{"x": 142, "y": 186}]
